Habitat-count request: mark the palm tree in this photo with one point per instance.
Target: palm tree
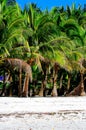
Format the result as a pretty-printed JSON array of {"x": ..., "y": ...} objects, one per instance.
[
  {"x": 42, "y": 26},
  {"x": 77, "y": 34},
  {"x": 40, "y": 23},
  {"x": 14, "y": 29},
  {"x": 13, "y": 65}
]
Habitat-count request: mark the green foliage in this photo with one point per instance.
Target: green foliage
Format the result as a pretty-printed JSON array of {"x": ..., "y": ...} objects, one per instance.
[{"x": 57, "y": 35}]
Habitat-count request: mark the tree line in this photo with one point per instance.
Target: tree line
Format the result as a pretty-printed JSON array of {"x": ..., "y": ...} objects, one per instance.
[{"x": 52, "y": 42}]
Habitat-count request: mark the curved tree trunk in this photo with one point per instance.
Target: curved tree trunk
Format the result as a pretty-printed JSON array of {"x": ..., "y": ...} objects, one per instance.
[
  {"x": 79, "y": 90},
  {"x": 25, "y": 86},
  {"x": 19, "y": 65}
]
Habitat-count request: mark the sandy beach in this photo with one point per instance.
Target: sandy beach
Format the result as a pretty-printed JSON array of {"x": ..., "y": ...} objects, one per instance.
[{"x": 61, "y": 113}]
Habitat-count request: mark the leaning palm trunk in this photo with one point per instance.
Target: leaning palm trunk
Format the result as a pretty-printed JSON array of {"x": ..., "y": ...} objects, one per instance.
[
  {"x": 25, "y": 86},
  {"x": 82, "y": 91},
  {"x": 82, "y": 71},
  {"x": 55, "y": 73},
  {"x": 79, "y": 90},
  {"x": 20, "y": 66}
]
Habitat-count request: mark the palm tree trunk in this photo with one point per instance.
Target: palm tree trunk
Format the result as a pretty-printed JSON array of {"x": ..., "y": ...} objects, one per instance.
[
  {"x": 10, "y": 89},
  {"x": 61, "y": 81},
  {"x": 41, "y": 92},
  {"x": 43, "y": 86},
  {"x": 54, "y": 90},
  {"x": 79, "y": 90},
  {"x": 25, "y": 86},
  {"x": 20, "y": 82},
  {"x": 55, "y": 72},
  {"x": 82, "y": 91},
  {"x": 68, "y": 84}
]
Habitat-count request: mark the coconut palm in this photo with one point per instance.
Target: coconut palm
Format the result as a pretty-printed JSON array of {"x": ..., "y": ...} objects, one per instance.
[
  {"x": 14, "y": 64},
  {"x": 40, "y": 23},
  {"x": 12, "y": 36},
  {"x": 77, "y": 34},
  {"x": 42, "y": 26}
]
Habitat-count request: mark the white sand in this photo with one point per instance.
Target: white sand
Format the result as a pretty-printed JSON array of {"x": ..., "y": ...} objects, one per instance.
[{"x": 61, "y": 113}]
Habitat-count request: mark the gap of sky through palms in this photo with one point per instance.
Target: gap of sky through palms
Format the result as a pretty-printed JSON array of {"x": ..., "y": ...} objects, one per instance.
[{"x": 43, "y": 4}]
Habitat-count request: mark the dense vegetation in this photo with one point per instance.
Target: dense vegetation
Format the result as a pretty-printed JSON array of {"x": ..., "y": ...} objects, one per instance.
[{"x": 52, "y": 42}]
